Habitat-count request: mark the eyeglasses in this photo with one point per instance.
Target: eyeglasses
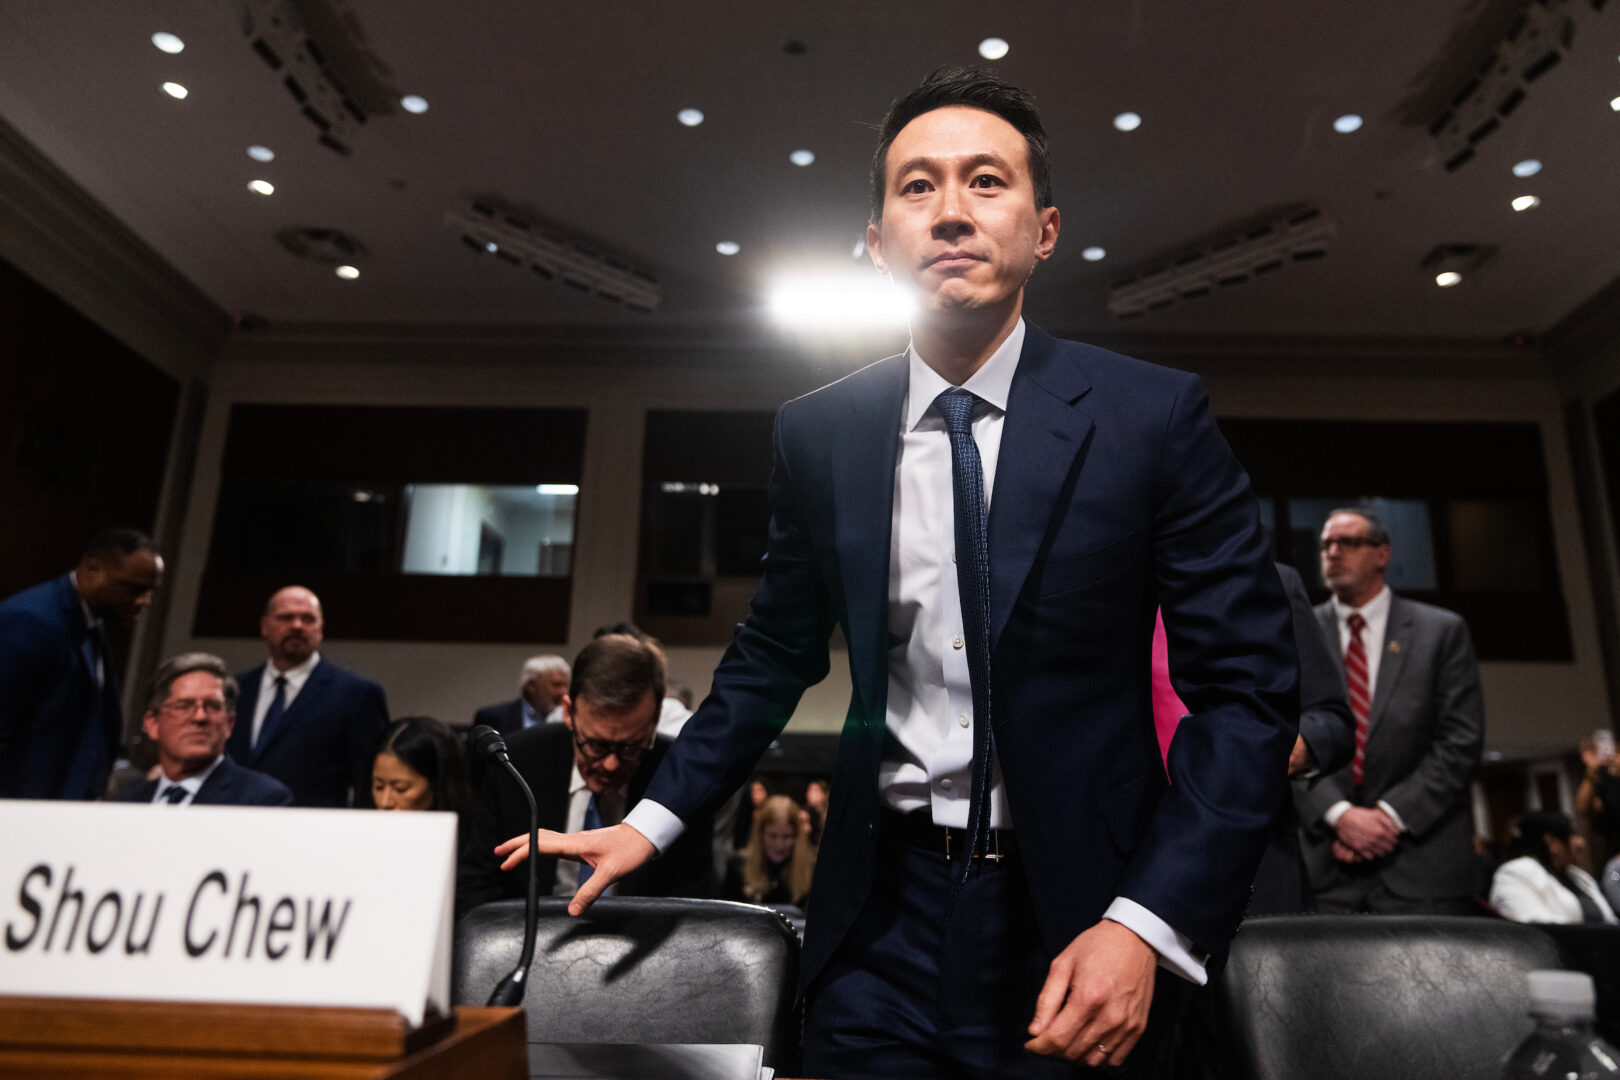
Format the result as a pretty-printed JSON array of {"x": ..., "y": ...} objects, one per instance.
[
  {"x": 597, "y": 749},
  {"x": 214, "y": 707},
  {"x": 1348, "y": 543}
]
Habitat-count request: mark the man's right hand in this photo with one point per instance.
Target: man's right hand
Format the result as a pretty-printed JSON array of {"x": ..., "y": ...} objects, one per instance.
[{"x": 612, "y": 853}]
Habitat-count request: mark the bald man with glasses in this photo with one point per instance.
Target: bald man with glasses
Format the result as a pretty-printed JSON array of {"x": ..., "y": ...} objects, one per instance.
[
  {"x": 586, "y": 773},
  {"x": 1392, "y": 831}
]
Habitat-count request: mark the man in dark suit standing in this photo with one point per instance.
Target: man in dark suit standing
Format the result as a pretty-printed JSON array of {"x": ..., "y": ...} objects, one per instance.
[
  {"x": 1393, "y": 830},
  {"x": 992, "y": 518},
  {"x": 60, "y": 717},
  {"x": 545, "y": 684},
  {"x": 189, "y": 715},
  {"x": 587, "y": 772},
  {"x": 306, "y": 721}
]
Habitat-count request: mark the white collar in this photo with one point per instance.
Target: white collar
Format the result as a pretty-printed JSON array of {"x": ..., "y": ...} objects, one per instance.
[
  {"x": 1373, "y": 610},
  {"x": 296, "y": 676},
  {"x": 192, "y": 783},
  {"x": 992, "y": 382}
]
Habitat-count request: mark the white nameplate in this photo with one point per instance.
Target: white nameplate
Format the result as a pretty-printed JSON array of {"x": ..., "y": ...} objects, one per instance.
[{"x": 227, "y": 904}]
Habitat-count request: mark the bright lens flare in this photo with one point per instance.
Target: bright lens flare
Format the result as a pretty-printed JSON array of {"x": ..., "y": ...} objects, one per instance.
[{"x": 835, "y": 302}]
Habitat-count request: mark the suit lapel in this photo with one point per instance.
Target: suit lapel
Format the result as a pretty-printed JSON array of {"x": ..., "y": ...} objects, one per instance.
[
  {"x": 1329, "y": 622},
  {"x": 864, "y": 520},
  {"x": 1044, "y": 430},
  {"x": 1397, "y": 643},
  {"x": 240, "y": 744},
  {"x": 307, "y": 695},
  {"x": 215, "y": 790}
]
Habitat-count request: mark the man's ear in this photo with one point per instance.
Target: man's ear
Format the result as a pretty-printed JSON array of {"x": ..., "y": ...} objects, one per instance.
[
  {"x": 874, "y": 247},
  {"x": 230, "y": 722},
  {"x": 568, "y": 711},
  {"x": 149, "y": 726}
]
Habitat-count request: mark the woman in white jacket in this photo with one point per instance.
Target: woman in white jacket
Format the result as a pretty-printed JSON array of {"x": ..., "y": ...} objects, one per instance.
[{"x": 1543, "y": 884}]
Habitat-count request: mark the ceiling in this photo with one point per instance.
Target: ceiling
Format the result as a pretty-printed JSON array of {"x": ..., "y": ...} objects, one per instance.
[{"x": 568, "y": 111}]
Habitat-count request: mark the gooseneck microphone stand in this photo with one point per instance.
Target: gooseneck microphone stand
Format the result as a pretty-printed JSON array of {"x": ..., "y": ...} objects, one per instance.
[{"x": 486, "y": 741}]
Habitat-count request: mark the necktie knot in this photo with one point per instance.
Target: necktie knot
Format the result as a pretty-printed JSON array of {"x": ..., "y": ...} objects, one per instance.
[
  {"x": 1357, "y": 623},
  {"x": 174, "y": 795},
  {"x": 956, "y": 406}
]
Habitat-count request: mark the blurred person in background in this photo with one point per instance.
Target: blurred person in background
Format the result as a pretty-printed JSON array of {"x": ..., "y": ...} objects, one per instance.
[
  {"x": 1540, "y": 882},
  {"x": 1598, "y": 797},
  {"x": 775, "y": 866}
]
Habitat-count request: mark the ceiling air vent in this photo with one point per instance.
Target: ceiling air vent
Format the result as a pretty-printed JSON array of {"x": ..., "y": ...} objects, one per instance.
[{"x": 321, "y": 245}]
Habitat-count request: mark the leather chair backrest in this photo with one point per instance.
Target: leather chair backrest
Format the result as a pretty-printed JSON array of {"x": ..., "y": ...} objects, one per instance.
[
  {"x": 1351, "y": 997},
  {"x": 641, "y": 970}
]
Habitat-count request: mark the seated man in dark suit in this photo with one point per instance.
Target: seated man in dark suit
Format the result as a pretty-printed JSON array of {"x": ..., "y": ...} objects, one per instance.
[
  {"x": 189, "y": 715},
  {"x": 586, "y": 773},
  {"x": 306, "y": 721}
]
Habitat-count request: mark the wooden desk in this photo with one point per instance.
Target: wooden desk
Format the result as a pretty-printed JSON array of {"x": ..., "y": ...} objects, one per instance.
[{"x": 63, "y": 1037}]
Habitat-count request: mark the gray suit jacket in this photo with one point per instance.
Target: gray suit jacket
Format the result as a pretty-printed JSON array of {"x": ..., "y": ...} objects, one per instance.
[{"x": 1424, "y": 739}]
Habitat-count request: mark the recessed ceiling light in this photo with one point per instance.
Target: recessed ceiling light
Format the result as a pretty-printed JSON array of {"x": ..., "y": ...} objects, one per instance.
[
  {"x": 1615, "y": 104},
  {"x": 413, "y": 103},
  {"x": 728, "y": 247},
  {"x": 993, "y": 48},
  {"x": 174, "y": 90},
  {"x": 690, "y": 117},
  {"x": 1347, "y": 123},
  {"x": 1527, "y": 167},
  {"x": 491, "y": 247},
  {"x": 1127, "y": 121},
  {"x": 1093, "y": 254},
  {"x": 348, "y": 273},
  {"x": 261, "y": 187},
  {"x": 557, "y": 489},
  {"x": 1526, "y": 202},
  {"x": 1447, "y": 279},
  {"x": 802, "y": 157},
  {"x": 261, "y": 153},
  {"x": 167, "y": 42}
]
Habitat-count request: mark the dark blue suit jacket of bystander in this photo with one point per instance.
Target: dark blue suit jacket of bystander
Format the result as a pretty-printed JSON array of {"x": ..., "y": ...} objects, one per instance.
[
  {"x": 49, "y": 702},
  {"x": 324, "y": 743},
  {"x": 229, "y": 785},
  {"x": 1115, "y": 494}
]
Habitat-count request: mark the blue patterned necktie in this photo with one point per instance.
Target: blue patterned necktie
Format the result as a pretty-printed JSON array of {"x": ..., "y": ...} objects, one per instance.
[
  {"x": 973, "y": 585},
  {"x": 593, "y": 820}
]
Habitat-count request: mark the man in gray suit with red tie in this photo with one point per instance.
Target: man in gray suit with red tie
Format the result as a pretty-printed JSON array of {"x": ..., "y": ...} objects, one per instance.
[{"x": 1392, "y": 831}]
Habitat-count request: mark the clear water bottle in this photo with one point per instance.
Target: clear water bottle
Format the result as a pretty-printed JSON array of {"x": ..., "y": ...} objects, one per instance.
[{"x": 1563, "y": 1046}]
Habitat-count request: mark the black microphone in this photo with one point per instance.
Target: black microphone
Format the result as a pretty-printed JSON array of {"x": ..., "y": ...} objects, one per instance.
[{"x": 487, "y": 742}]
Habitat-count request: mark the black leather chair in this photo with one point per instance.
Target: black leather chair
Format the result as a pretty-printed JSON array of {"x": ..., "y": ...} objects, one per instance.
[
  {"x": 1363, "y": 997},
  {"x": 641, "y": 970}
]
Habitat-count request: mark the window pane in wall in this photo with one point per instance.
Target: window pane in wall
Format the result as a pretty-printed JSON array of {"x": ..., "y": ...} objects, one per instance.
[
  {"x": 1411, "y": 538},
  {"x": 1496, "y": 547},
  {"x": 523, "y": 531}
]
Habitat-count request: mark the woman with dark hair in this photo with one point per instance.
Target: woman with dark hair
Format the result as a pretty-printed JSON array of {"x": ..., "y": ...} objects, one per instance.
[
  {"x": 418, "y": 765},
  {"x": 1540, "y": 882},
  {"x": 776, "y": 866}
]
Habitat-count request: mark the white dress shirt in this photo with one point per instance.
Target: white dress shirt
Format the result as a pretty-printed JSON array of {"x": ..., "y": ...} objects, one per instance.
[
  {"x": 609, "y": 807},
  {"x": 296, "y": 678},
  {"x": 928, "y": 760},
  {"x": 1376, "y": 612},
  {"x": 191, "y": 784}
]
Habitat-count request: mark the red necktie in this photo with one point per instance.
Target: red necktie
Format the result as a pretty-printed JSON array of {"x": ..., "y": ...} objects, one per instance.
[{"x": 1355, "y": 675}]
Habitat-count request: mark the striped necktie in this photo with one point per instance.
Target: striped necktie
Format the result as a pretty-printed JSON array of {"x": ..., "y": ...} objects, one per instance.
[{"x": 1355, "y": 675}]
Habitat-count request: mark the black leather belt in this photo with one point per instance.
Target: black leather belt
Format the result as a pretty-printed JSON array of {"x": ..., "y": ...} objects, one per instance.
[{"x": 917, "y": 829}]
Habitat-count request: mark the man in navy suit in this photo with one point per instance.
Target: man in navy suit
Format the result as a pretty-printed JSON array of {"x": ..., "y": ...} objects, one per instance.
[
  {"x": 1005, "y": 863},
  {"x": 189, "y": 715},
  {"x": 306, "y": 721},
  {"x": 545, "y": 684},
  {"x": 60, "y": 718}
]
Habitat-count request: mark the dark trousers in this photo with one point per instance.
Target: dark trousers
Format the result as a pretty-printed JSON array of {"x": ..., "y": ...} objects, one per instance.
[
  {"x": 913, "y": 992},
  {"x": 1357, "y": 889}
]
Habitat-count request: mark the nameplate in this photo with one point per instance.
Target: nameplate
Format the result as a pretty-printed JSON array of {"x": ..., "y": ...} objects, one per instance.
[{"x": 227, "y": 904}]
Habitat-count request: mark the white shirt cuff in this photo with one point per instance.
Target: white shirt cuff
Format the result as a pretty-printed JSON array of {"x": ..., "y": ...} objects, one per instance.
[
  {"x": 656, "y": 823},
  {"x": 1174, "y": 948},
  {"x": 1393, "y": 816},
  {"x": 1331, "y": 816}
]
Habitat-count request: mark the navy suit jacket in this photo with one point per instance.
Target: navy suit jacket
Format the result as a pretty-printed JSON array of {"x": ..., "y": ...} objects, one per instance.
[
  {"x": 325, "y": 741},
  {"x": 1115, "y": 494},
  {"x": 505, "y": 718},
  {"x": 59, "y": 734},
  {"x": 228, "y": 785}
]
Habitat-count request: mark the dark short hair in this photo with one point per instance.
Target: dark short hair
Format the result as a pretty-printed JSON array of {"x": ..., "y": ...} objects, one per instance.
[
  {"x": 1530, "y": 832},
  {"x": 430, "y": 748},
  {"x": 172, "y": 669},
  {"x": 118, "y": 544},
  {"x": 1375, "y": 525},
  {"x": 975, "y": 88},
  {"x": 616, "y": 671}
]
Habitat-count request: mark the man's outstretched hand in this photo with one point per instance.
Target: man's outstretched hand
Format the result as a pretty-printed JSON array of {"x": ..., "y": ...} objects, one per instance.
[
  {"x": 1094, "y": 1005},
  {"x": 612, "y": 853}
]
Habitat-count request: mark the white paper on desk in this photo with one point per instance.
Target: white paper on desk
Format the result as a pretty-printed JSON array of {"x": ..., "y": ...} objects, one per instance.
[{"x": 251, "y": 905}]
